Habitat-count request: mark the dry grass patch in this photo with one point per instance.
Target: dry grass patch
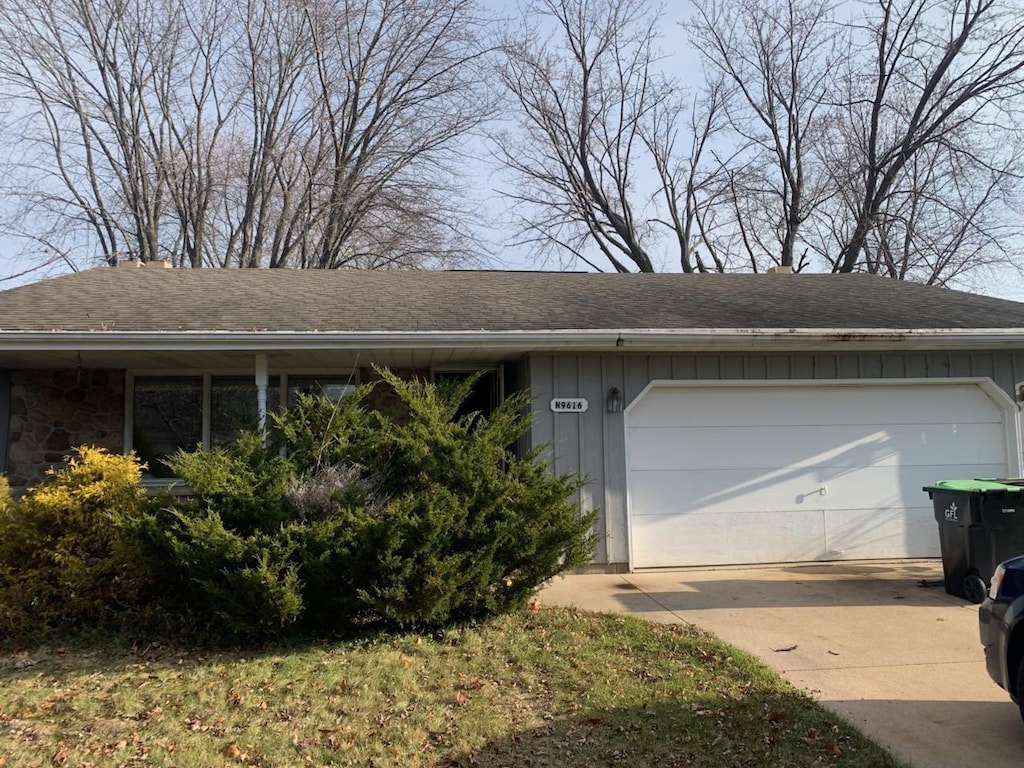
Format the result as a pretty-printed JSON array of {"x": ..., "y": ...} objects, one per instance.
[{"x": 553, "y": 687}]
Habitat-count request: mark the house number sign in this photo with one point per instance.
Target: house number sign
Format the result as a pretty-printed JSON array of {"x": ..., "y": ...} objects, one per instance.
[{"x": 569, "y": 405}]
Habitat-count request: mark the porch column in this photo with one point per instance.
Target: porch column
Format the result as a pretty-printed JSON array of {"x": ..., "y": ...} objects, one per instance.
[{"x": 262, "y": 379}]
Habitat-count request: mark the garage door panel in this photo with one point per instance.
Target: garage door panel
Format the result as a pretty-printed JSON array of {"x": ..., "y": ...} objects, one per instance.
[
  {"x": 712, "y": 492},
  {"x": 739, "y": 446},
  {"x": 860, "y": 534},
  {"x": 658, "y": 494},
  {"x": 729, "y": 539},
  {"x": 807, "y": 406},
  {"x": 732, "y": 539},
  {"x": 724, "y": 474}
]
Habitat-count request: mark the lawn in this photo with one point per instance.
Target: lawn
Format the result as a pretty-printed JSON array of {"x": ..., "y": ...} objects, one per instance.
[{"x": 547, "y": 687}]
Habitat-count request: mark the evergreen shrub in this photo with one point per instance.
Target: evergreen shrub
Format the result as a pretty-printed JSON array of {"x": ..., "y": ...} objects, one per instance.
[{"x": 340, "y": 517}]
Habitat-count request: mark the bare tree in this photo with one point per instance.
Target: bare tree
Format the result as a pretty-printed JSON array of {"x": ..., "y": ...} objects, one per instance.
[
  {"x": 889, "y": 144},
  {"x": 943, "y": 85},
  {"x": 609, "y": 154},
  {"x": 949, "y": 216},
  {"x": 691, "y": 183},
  {"x": 583, "y": 95},
  {"x": 264, "y": 173},
  {"x": 777, "y": 59},
  {"x": 394, "y": 95},
  {"x": 266, "y": 133},
  {"x": 83, "y": 75},
  {"x": 596, "y": 116}
]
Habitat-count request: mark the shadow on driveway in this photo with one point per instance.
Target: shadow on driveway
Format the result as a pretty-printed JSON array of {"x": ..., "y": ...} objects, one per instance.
[
  {"x": 994, "y": 726},
  {"x": 796, "y": 587}
]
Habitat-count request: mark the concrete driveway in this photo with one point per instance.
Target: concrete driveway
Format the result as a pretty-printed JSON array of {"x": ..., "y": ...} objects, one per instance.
[{"x": 900, "y": 661}]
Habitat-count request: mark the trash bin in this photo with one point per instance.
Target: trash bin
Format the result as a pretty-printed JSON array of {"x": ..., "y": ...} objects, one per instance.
[{"x": 981, "y": 524}]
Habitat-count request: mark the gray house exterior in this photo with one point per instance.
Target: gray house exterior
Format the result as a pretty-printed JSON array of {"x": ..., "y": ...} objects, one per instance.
[{"x": 719, "y": 418}]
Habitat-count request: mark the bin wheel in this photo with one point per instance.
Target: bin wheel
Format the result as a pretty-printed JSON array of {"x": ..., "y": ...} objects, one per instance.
[{"x": 975, "y": 588}]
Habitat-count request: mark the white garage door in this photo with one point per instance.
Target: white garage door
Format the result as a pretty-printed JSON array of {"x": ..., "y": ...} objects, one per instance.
[{"x": 788, "y": 472}]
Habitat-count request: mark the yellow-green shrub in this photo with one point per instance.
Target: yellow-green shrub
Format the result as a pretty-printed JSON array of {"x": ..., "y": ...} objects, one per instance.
[
  {"x": 5, "y": 494},
  {"x": 66, "y": 556}
]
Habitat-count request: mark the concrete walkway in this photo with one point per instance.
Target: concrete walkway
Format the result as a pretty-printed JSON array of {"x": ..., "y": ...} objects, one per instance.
[{"x": 900, "y": 661}]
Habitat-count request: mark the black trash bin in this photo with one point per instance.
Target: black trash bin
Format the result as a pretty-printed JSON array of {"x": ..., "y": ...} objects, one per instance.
[{"x": 981, "y": 524}]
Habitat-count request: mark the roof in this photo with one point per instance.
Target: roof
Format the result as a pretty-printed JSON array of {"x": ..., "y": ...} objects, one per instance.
[{"x": 348, "y": 301}]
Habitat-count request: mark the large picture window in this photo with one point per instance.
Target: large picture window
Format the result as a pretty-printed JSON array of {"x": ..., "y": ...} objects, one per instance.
[
  {"x": 183, "y": 412},
  {"x": 233, "y": 406},
  {"x": 167, "y": 415}
]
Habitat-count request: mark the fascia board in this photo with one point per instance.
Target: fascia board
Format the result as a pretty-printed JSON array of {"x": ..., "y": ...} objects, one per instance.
[{"x": 601, "y": 340}]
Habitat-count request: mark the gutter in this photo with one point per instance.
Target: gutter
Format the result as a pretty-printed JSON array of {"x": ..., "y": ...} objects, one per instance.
[{"x": 544, "y": 340}]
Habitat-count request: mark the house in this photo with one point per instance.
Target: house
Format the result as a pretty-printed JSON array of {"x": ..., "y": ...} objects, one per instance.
[{"x": 719, "y": 418}]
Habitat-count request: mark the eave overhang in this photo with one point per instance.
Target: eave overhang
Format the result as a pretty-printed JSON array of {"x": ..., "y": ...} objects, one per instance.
[{"x": 603, "y": 340}]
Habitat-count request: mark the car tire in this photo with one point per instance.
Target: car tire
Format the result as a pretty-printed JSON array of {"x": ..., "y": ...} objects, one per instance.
[
  {"x": 975, "y": 588},
  {"x": 1020, "y": 688}
]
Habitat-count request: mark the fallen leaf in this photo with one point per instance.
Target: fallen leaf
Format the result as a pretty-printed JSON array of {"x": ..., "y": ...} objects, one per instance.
[
  {"x": 231, "y": 751},
  {"x": 461, "y": 697},
  {"x": 786, "y": 649}
]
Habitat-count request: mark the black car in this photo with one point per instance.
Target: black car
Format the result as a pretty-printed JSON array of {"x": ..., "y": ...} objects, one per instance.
[{"x": 1001, "y": 621}]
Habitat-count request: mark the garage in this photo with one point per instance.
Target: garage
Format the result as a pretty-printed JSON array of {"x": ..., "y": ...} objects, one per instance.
[{"x": 784, "y": 471}]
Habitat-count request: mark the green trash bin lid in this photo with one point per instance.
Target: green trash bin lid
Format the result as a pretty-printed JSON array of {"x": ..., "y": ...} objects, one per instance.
[{"x": 975, "y": 486}]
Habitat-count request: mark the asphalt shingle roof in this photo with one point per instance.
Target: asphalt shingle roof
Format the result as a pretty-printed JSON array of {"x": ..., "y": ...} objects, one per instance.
[{"x": 152, "y": 299}]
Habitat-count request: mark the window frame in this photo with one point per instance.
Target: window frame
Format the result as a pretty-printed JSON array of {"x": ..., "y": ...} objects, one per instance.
[
  {"x": 207, "y": 375},
  {"x": 468, "y": 370}
]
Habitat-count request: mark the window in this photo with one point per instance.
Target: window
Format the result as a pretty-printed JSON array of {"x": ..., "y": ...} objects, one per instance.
[
  {"x": 182, "y": 412},
  {"x": 485, "y": 395},
  {"x": 167, "y": 415},
  {"x": 334, "y": 387},
  {"x": 233, "y": 406}
]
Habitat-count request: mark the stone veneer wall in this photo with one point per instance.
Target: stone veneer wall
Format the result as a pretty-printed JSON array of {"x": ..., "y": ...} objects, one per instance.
[{"x": 54, "y": 410}]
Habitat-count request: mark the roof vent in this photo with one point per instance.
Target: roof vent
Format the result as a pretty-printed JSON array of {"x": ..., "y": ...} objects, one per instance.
[{"x": 779, "y": 270}]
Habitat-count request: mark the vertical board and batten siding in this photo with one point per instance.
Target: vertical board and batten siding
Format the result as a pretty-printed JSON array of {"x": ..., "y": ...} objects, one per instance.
[{"x": 593, "y": 443}]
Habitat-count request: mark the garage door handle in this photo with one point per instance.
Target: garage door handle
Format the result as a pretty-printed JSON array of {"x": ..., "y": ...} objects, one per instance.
[{"x": 823, "y": 490}]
